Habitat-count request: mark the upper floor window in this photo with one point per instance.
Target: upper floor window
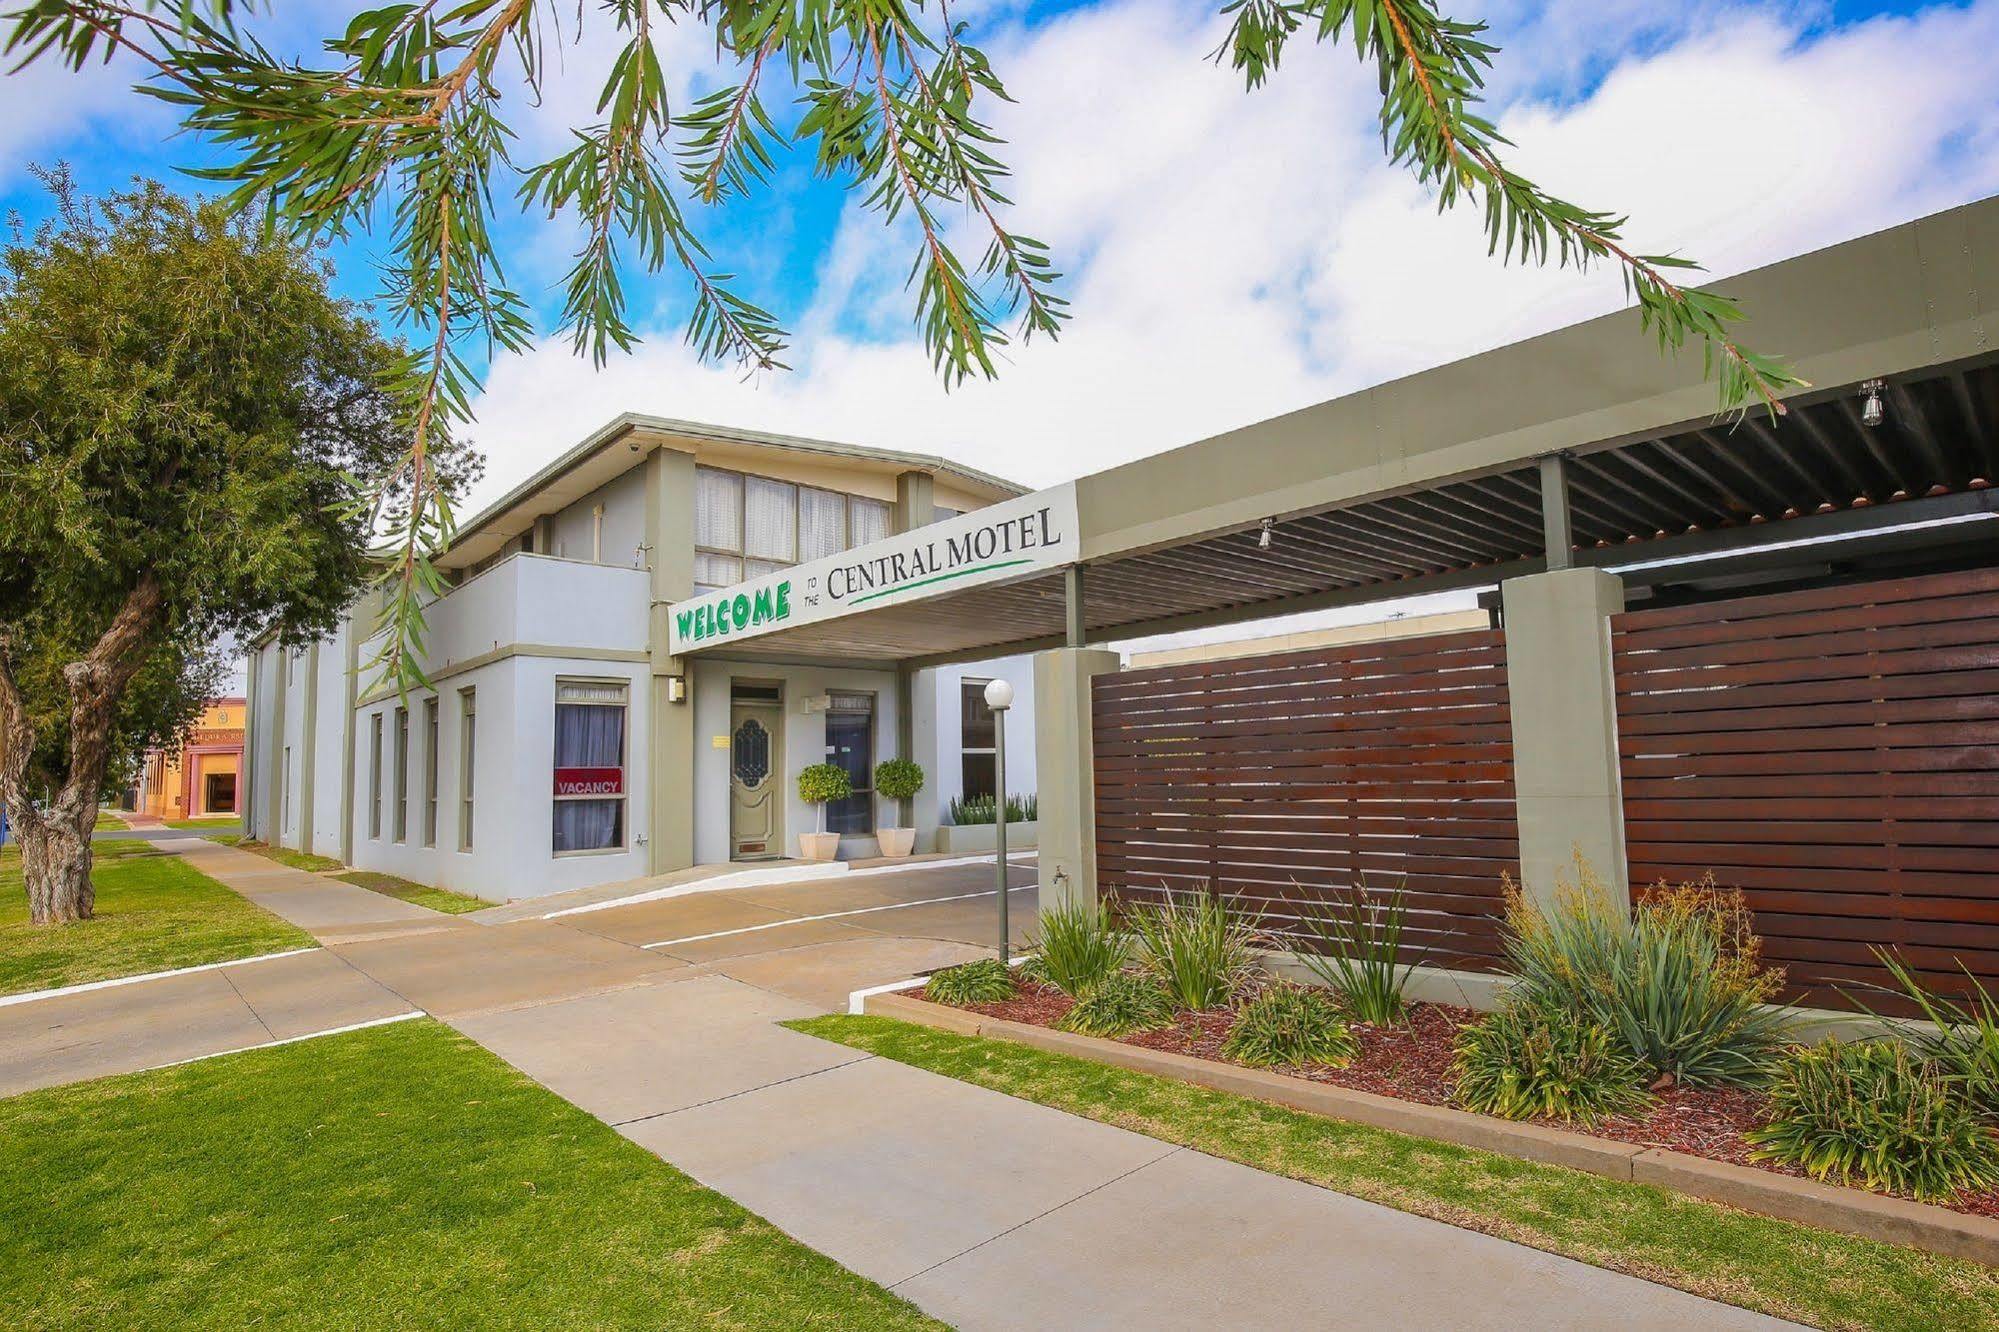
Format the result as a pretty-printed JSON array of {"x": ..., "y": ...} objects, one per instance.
[{"x": 748, "y": 526}]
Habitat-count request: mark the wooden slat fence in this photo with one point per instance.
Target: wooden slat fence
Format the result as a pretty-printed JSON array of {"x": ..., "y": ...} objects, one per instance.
[
  {"x": 1276, "y": 777},
  {"x": 1834, "y": 753}
]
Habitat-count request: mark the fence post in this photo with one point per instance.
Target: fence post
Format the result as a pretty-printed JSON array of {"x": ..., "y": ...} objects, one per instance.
[
  {"x": 1564, "y": 712},
  {"x": 1064, "y": 761}
]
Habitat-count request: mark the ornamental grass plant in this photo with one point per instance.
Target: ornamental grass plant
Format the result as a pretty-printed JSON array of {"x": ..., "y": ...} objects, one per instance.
[
  {"x": 1289, "y": 1024},
  {"x": 1358, "y": 952},
  {"x": 986, "y": 981},
  {"x": 1962, "y": 1039},
  {"x": 1679, "y": 978},
  {"x": 1198, "y": 950},
  {"x": 1877, "y": 1112},
  {"x": 1079, "y": 944},
  {"x": 1531, "y": 1059},
  {"x": 1119, "y": 1004}
]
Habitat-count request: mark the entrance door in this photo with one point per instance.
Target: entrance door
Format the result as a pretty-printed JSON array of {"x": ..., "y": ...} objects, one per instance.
[
  {"x": 756, "y": 768},
  {"x": 219, "y": 793}
]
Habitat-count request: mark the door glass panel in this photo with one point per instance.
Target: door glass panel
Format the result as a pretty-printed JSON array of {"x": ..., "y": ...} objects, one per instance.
[{"x": 850, "y": 745}]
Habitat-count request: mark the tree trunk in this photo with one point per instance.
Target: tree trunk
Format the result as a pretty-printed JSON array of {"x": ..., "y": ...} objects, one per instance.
[{"x": 55, "y": 861}]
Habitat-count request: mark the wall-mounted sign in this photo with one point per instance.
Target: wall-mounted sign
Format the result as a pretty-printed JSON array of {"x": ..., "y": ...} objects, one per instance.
[
  {"x": 589, "y": 781},
  {"x": 1002, "y": 542}
]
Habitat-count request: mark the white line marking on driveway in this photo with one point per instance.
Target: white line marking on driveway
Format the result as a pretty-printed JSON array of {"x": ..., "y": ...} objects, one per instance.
[
  {"x": 33, "y": 995},
  {"x": 294, "y": 1040},
  {"x": 832, "y": 915}
]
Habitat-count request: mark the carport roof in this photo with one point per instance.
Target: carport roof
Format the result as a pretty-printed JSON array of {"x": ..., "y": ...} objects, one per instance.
[{"x": 1435, "y": 480}]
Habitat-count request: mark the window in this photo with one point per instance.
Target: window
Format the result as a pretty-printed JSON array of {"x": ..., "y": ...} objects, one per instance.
[
  {"x": 402, "y": 774},
  {"x": 285, "y": 792},
  {"x": 589, "y": 766},
  {"x": 467, "y": 747},
  {"x": 430, "y": 772},
  {"x": 976, "y": 735},
  {"x": 375, "y": 775},
  {"x": 749, "y": 526},
  {"x": 850, "y": 745}
]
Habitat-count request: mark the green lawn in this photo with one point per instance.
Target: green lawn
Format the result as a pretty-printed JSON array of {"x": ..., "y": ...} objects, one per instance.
[
  {"x": 1775, "y": 1266},
  {"x": 396, "y": 1177},
  {"x": 202, "y": 825},
  {"x": 154, "y": 912},
  {"x": 284, "y": 855},
  {"x": 108, "y": 822},
  {"x": 437, "y": 899}
]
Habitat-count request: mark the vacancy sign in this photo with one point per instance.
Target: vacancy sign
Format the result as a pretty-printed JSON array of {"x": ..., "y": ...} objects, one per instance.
[
  {"x": 1016, "y": 538},
  {"x": 589, "y": 781}
]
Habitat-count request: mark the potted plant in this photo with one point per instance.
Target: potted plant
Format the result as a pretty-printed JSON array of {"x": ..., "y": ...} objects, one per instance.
[
  {"x": 898, "y": 779},
  {"x": 818, "y": 784}
]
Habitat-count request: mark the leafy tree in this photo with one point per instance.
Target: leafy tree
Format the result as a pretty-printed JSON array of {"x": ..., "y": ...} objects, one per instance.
[
  {"x": 406, "y": 120},
  {"x": 182, "y": 405}
]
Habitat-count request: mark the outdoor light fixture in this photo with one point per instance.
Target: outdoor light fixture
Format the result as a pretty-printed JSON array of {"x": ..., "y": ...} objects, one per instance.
[
  {"x": 1263, "y": 536},
  {"x": 676, "y": 689},
  {"x": 999, "y": 697},
  {"x": 1870, "y": 411}
]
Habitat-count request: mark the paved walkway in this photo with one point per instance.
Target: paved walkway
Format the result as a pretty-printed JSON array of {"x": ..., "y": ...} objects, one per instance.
[{"x": 987, "y": 1211}]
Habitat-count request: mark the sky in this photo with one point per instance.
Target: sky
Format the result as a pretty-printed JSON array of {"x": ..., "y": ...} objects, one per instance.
[{"x": 1229, "y": 256}]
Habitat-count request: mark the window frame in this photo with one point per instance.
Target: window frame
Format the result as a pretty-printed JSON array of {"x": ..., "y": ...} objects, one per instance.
[
  {"x": 624, "y": 704},
  {"x": 966, "y": 686},
  {"x": 401, "y": 753},
  {"x": 468, "y": 753},
  {"x": 430, "y": 734},
  {"x": 851, "y": 506},
  {"x": 374, "y": 776},
  {"x": 868, "y": 769}
]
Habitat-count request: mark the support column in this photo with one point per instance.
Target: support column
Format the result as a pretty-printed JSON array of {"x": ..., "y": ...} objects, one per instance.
[
  {"x": 915, "y": 500},
  {"x": 1065, "y": 762},
  {"x": 350, "y": 675},
  {"x": 1564, "y": 704},
  {"x": 275, "y": 779},
  {"x": 669, "y": 538}
]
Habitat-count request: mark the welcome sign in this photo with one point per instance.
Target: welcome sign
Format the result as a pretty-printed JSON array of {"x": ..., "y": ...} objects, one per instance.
[{"x": 1013, "y": 539}]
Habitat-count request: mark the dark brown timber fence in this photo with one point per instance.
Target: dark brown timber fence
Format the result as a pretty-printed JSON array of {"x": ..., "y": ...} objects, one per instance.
[
  {"x": 1834, "y": 753},
  {"x": 1275, "y": 778}
]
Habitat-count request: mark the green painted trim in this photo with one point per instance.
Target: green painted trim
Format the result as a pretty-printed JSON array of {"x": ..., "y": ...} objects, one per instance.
[
  {"x": 938, "y": 578},
  {"x": 541, "y": 650}
]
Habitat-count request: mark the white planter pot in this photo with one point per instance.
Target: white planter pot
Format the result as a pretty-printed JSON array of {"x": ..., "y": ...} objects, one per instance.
[
  {"x": 896, "y": 841},
  {"x": 819, "y": 845}
]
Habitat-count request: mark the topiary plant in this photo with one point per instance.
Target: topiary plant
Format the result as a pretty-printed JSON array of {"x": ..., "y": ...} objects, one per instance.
[
  {"x": 1120, "y": 1003},
  {"x": 821, "y": 782},
  {"x": 899, "y": 779},
  {"x": 987, "y": 981},
  {"x": 1531, "y": 1059},
  {"x": 1872, "y": 1111},
  {"x": 1289, "y": 1024}
]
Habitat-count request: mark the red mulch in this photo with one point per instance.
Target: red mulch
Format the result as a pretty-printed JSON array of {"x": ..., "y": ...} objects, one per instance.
[{"x": 1412, "y": 1061}]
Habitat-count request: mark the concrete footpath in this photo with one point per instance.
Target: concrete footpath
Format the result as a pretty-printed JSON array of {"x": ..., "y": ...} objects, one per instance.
[{"x": 987, "y": 1211}]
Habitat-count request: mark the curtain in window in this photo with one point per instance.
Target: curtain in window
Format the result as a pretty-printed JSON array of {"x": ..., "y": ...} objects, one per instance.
[
  {"x": 772, "y": 515},
  {"x": 871, "y": 520},
  {"x": 822, "y": 523},
  {"x": 718, "y": 509},
  {"x": 713, "y": 571},
  {"x": 589, "y": 736}
]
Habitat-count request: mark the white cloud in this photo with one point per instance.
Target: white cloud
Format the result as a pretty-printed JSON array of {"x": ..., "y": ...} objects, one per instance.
[{"x": 1236, "y": 256}]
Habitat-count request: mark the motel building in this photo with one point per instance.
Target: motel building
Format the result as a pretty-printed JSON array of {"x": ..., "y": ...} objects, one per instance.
[{"x": 1762, "y": 646}]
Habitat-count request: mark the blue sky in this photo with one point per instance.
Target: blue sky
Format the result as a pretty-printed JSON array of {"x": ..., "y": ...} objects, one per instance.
[{"x": 1230, "y": 256}]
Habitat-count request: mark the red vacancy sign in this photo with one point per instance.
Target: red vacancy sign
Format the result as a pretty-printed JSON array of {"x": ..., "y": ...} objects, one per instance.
[{"x": 589, "y": 781}]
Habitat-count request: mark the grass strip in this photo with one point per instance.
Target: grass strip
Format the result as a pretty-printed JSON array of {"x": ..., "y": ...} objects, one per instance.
[
  {"x": 397, "y": 1177},
  {"x": 155, "y": 912},
  {"x": 283, "y": 855},
  {"x": 1777, "y": 1267},
  {"x": 417, "y": 894}
]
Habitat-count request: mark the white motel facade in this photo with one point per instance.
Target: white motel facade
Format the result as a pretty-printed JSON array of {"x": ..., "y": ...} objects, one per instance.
[{"x": 566, "y": 740}]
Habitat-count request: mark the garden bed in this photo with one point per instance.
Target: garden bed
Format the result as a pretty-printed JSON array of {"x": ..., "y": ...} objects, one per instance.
[{"x": 1412, "y": 1062}]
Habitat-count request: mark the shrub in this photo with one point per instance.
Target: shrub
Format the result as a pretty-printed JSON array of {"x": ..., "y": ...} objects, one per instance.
[
  {"x": 1963, "y": 1040},
  {"x": 1360, "y": 935},
  {"x": 1289, "y": 1024},
  {"x": 1679, "y": 978},
  {"x": 1079, "y": 946},
  {"x": 1873, "y": 1111},
  {"x": 1120, "y": 1003},
  {"x": 1527, "y": 1059},
  {"x": 969, "y": 811},
  {"x": 987, "y": 981},
  {"x": 821, "y": 782},
  {"x": 898, "y": 779},
  {"x": 1199, "y": 951}
]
